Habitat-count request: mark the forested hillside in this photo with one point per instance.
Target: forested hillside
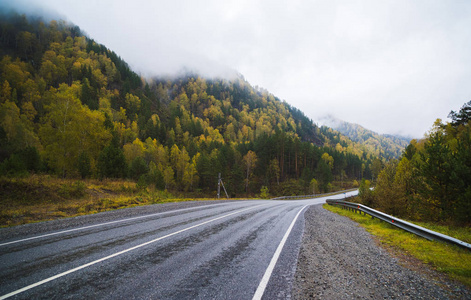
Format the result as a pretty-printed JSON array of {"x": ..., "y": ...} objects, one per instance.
[
  {"x": 71, "y": 107},
  {"x": 384, "y": 146},
  {"x": 432, "y": 179}
]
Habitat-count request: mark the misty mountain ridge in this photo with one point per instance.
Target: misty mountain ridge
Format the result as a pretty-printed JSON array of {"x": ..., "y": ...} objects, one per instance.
[{"x": 386, "y": 145}]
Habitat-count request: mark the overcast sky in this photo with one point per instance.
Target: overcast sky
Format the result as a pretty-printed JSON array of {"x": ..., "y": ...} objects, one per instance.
[{"x": 391, "y": 66}]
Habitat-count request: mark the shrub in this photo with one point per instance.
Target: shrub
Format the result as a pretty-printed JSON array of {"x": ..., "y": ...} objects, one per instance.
[
  {"x": 14, "y": 165},
  {"x": 264, "y": 193},
  {"x": 365, "y": 193},
  {"x": 74, "y": 190},
  {"x": 138, "y": 168},
  {"x": 143, "y": 182}
]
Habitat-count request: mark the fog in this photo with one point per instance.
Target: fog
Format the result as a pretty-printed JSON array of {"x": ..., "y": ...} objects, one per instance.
[{"x": 391, "y": 66}]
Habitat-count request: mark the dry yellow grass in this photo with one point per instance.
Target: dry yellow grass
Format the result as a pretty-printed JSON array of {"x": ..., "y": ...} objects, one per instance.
[{"x": 42, "y": 197}]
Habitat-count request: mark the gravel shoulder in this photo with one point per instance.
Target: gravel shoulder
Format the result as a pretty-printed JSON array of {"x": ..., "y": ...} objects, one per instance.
[{"x": 338, "y": 259}]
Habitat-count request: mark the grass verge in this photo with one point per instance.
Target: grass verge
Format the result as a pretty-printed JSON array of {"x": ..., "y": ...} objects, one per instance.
[
  {"x": 39, "y": 198},
  {"x": 449, "y": 259}
]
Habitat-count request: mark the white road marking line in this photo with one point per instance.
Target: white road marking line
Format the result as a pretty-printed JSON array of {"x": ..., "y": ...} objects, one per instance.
[
  {"x": 102, "y": 224},
  {"x": 266, "y": 277},
  {"x": 116, "y": 254}
]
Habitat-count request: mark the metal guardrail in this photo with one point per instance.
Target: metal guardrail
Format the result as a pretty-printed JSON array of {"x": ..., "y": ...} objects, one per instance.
[
  {"x": 418, "y": 230},
  {"x": 312, "y": 196}
]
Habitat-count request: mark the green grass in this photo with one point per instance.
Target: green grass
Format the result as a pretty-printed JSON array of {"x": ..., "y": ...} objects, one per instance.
[
  {"x": 449, "y": 259},
  {"x": 461, "y": 233}
]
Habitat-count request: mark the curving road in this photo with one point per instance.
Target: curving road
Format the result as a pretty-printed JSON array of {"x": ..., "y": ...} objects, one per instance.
[{"x": 231, "y": 250}]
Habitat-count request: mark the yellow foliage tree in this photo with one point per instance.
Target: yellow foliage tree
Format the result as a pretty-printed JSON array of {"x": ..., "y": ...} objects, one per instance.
[
  {"x": 250, "y": 160},
  {"x": 329, "y": 160},
  {"x": 69, "y": 128},
  {"x": 18, "y": 129},
  {"x": 133, "y": 150}
]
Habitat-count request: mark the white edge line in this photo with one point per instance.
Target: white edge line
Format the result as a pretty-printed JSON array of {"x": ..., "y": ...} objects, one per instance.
[
  {"x": 266, "y": 277},
  {"x": 115, "y": 254},
  {"x": 103, "y": 224}
]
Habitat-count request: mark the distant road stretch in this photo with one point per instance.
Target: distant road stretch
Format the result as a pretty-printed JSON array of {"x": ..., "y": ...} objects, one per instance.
[{"x": 235, "y": 250}]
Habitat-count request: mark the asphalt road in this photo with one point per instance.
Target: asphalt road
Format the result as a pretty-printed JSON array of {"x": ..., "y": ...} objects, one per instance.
[{"x": 231, "y": 250}]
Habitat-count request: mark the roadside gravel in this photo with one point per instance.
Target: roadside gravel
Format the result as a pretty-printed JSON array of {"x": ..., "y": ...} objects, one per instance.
[{"x": 340, "y": 260}]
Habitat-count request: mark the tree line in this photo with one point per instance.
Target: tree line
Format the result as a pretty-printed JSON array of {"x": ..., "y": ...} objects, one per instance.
[{"x": 432, "y": 179}]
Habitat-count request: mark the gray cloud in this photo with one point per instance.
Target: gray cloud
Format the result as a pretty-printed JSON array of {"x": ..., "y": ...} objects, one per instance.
[{"x": 391, "y": 66}]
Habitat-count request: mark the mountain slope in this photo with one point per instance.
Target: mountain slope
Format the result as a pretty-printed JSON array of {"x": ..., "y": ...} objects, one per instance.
[{"x": 70, "y": 106}]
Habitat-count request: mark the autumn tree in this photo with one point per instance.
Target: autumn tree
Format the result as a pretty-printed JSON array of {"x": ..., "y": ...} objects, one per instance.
[
  {"x": 5, "y": 92},
  {"x": 365, "y": 193},
  {"x": 133, "y": 104},
  {"x": 329, "y": 160},
  {"x": 273, "y": 171},
  {"x": 133, "y": 150},
  {"x": 17, "y": 129},
  {"x": 250, "y": 160},
  {"x": 314, "y": 186},
  {"x": 68, "y": 129},
  {"x": 190, "y": 175},
  {"x": 169, "y": 178},
  {"x": 376, "y": 168},
  {"x": 156, "y": 176},
  {"x": 389, "y": 198},
  {"x": 179, "y": 160}
]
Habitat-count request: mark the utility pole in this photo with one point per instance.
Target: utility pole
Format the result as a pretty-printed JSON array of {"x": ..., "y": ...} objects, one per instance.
[{"x": 219, "y": 187}]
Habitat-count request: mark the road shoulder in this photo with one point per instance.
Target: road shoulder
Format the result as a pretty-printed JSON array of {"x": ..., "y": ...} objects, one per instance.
[{"x": 339, "y": 260}]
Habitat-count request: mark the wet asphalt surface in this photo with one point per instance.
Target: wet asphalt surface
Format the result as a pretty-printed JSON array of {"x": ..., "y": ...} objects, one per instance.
[{"x": 197, "y": 250}]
